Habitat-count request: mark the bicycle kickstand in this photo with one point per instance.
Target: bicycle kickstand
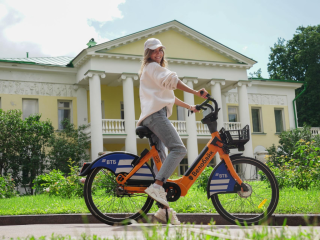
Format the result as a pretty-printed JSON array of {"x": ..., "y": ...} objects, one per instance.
[{"x": 162, "y": 206}]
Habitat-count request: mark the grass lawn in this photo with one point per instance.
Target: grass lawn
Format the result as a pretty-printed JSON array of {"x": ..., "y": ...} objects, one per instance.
[{"x": 291, "y": 201}]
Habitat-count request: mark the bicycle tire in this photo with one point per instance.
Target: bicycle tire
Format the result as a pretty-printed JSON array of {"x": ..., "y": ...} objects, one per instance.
[
  {"x": 102, "y": 200},
  {"x": 262, "y": 202}
]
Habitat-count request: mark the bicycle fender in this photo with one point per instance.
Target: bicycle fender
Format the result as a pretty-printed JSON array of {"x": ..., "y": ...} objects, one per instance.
[
  {"x": 118, "y": 162},
  {"x": 220, "y": 180}
]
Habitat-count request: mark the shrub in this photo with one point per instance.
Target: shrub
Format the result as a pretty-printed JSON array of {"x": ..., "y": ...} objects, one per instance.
[
  {"x": 202, "y": 180},
  {"x": 70, "y": 142},
  {"x": 287, "y": 143},
  {"x": 301, "y": 169},
  {"x": 46, "y": 180},
  {"x": 70, "y": 186},
  {"x": 7, "y": 187}
]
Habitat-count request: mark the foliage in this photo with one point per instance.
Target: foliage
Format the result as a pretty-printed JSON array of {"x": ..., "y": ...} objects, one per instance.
[
  {"x": 257, "y": 74},
  {"x": 301, "y": 169},
  {"x": 7, "y": 187},
  {"x": 23, "y": 146},
  {"x": 32, "y": 158},
  {"x": 298, "y": 59},
  {"x": 69, "y": 186},
  {"x": 202, "y": 181},
  {"x": 68, "y": 143},
  {"x": 10, "y": 137},
  {"x": 288, "y": 140},
  {"x": 44, "y": 181}
]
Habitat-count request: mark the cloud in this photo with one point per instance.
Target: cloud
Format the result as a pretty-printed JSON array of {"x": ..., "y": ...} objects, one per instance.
[
  {"x": 60, "y": 27},
  {"x": 245, "y": 48}
]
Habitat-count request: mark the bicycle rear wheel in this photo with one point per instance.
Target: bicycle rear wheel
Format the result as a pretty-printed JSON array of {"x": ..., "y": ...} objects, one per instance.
[
  {"x": 108, "y": 203},
  {"x": 254, "y": 206}
]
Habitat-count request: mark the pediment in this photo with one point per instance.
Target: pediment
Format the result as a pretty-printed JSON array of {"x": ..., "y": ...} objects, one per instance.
[
  {"x": 177, "y": 46},
  {"x": 182, "y": 44}
]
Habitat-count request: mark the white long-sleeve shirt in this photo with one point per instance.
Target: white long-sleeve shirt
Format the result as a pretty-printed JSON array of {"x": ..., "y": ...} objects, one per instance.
[{"x": 156, "y": 90}]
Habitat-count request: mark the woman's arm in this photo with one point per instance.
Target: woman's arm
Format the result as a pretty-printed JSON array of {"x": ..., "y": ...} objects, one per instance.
[
  {"x": 182, "y": 86},
  {"x": 185, "y": 105}
]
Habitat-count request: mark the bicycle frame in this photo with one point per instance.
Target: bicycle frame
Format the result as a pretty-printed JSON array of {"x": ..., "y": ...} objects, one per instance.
[{"x": 192, "y": 173}]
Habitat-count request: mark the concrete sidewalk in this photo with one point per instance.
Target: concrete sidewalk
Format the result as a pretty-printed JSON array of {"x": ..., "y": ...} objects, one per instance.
[
  {"x": 276, "y": 220},
  {"x": 140, "y": 231}
]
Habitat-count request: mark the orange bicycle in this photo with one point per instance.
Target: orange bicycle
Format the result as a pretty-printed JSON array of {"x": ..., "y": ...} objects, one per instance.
[{"x": 241, "y": 188}]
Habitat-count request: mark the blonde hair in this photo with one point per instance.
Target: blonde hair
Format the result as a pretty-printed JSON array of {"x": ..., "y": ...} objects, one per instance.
[{"x": 146, "y": 59}]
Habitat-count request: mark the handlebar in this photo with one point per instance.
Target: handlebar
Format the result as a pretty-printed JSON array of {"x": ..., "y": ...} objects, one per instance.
[{"x": 214, "y": 110}]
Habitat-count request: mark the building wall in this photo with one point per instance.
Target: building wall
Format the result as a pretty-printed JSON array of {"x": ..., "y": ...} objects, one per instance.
[{"x": 47, "y": 105}]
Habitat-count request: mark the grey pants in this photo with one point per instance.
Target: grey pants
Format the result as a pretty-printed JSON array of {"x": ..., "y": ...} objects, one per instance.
[{"x": 164, "y": 134}]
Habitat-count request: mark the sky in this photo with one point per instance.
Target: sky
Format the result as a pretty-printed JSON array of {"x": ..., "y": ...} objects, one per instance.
[{"x": 63, "y": 27}]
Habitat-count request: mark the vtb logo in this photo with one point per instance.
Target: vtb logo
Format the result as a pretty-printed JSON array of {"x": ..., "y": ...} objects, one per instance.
[
  {"x": 111, "y": 162},
  {"x": 221, "y": 175}
]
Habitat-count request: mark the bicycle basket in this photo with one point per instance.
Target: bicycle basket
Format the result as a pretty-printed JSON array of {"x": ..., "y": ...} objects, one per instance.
[{"x": 235, "y": 138}]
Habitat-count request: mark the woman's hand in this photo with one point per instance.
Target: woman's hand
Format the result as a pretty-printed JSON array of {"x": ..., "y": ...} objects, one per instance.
[
  {"x": 204, "y": 95},
  {"x": 193, "y": 108}
]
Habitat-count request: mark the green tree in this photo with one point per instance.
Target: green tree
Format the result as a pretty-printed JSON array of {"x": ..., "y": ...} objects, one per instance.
[
  {"x": 257, "y": 74},
  {"x": 10, "y": 138},
  {"x": 69, "y": 143},
  {"x": 298, "y": 59},
  {"x": 32, "y": 158},
  {"x": 23, "y": 146}
]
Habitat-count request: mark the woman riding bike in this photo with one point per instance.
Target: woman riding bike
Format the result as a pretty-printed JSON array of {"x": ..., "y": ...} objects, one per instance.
[{"x": 157, "y": 99}]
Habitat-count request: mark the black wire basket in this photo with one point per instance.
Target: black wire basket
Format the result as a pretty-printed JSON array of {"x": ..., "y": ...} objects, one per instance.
[{"x": 235, "y": 138}]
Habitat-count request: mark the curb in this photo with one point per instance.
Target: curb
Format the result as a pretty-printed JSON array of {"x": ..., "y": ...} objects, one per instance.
[{"x": 275, "y": 220}]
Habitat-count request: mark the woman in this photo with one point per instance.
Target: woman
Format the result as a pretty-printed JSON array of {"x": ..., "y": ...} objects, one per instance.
[{"x": 157, "y": 99}]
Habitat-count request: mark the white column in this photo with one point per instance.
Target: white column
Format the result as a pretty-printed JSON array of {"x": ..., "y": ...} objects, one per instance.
[
  {"x": 224, "y": 107},
  {"x": 95, "y": 112},
  {"x": 216, "y": 94},
  {"x": 244, "y": 113},
  {"x": 192, "y": 142},
  {"x": 82, "y": 106},
  {"x": 129, "y": 113}
]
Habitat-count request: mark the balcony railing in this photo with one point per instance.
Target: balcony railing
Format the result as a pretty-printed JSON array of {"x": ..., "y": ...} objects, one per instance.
[
  {"x": 117, "y": 126},
  {"x": 113, "y": 126},
  {"x": 315, "y": 131},
  {"x": 232, "y": 125}
]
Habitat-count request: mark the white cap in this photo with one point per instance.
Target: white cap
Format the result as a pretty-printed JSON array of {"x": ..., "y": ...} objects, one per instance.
[{"x": 152, "y": 43}]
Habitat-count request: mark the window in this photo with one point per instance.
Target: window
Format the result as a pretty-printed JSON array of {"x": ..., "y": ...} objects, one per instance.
[
  {"x": 183, "y": 166},
  {"x": 180, "y": 113},
  {"x": 256, "y": 120},
  {"x": 121, "y": 110},
  {"x": 29, "y": 107},
  {"x": 64, "y": 112},
  {"x": 278, "y": 114},
  {"x": 233, "y": 114}
]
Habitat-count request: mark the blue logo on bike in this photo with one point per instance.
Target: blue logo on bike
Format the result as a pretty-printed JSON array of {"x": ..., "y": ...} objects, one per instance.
[{"x": 221, "y": 180}]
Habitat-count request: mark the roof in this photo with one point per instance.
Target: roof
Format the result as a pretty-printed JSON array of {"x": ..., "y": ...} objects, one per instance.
[
  {"x": 275, "y": 80},
  {"x": 49, "y": 61},
  {"x": 173, "y": 21}
]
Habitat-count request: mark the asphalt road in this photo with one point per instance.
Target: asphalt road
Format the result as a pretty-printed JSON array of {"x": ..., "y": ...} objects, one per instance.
[{"x": 138, "y": 231}]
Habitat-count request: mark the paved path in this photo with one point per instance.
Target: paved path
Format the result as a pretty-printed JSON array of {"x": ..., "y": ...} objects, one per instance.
[{"x": 137, "y": 231}]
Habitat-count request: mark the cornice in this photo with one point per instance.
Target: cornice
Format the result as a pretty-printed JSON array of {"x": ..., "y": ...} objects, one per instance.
[
  {"x": 181, "y": 61},
  {"x": 278, "y": 84},
  {"x": 38, "y": 68}
]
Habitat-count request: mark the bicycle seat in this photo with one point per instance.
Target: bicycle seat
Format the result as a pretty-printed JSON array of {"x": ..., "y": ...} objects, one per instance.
[{"x": 143, "y": 131}]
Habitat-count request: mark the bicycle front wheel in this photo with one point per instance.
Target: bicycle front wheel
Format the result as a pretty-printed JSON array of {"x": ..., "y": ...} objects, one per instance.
[
  {"x": 256, "y": 205},
  {"x": 108, "y": 203}
]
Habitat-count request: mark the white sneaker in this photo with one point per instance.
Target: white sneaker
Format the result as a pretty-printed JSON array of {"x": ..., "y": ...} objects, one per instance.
[
  {"x": 161, "y": 215},
  {"x": 157, "y": 194}
]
